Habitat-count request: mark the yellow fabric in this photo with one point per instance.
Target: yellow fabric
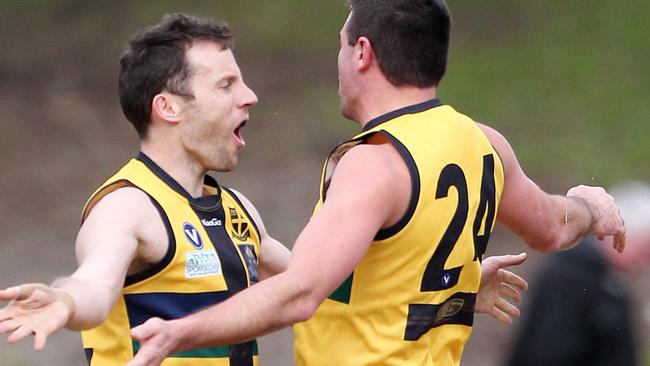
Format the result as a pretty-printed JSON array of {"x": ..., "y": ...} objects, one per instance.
[
  {"x": 369, "y": 328},
  {"x": 110, "y": 342}
]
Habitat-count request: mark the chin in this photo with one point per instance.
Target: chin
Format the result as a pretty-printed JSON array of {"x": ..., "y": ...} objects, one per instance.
[
  {"x": 347, "y": 114},
  {"x": 224, "y": 166}
]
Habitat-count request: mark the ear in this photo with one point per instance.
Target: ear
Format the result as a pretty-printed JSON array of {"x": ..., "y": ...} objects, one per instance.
[
  {"x": 364, "y": 54},
  {"x": 166, "y": 107}
]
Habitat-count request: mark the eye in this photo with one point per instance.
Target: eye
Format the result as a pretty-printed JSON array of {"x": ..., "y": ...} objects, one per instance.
[{"x": 225, "y": 86}]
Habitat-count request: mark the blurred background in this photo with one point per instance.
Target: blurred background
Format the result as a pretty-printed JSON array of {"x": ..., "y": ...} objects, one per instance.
[{"x": 566, "y": 82}]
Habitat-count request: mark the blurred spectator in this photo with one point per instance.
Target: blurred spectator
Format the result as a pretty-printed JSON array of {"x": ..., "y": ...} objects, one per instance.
[{"x": 580, "y": 311}]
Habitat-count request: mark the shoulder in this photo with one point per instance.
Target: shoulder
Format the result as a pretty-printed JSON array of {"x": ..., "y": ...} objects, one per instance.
[
  {"x": 126, "y": 206},
  {"x": 503, "y": 148},
  {"x": 377, "y": 155},
  {"x": 124, "y": 197},
  {"x": 374, "y": 161},
  {"x": 374, "y": 171}
]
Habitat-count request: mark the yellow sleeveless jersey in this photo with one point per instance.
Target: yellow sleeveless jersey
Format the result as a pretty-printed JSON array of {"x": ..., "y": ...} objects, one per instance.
[
  {"x": 212, "y": 254},
  {"x": 410, "y": 300}
]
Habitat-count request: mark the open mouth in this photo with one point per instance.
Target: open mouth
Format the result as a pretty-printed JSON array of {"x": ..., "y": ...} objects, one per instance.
[{"x": 238, "y": 134}]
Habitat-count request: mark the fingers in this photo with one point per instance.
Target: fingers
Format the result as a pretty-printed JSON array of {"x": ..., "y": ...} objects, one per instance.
[
  {"x": 147, "y": 356},
  {"x": 10, "y": 294},
  {"x": 5, "y": 313},
  {"x": 153, "y": 339},
  {"x": 502, "y": 261},
  {"x": 500, "y": 316},
  {"x": 8, "y": 325},
  {"x": 507, "y": 308},
  {"x": 509, "y": 292},
  {"x": 619, "y": 242},
  {"x": 145, "y": 330},
  {"x": 20, "y": 333},
  {"x": 40, "y": 338},
  {"x": 513, "y": 279},
  {"x": 514, "y": 260}
]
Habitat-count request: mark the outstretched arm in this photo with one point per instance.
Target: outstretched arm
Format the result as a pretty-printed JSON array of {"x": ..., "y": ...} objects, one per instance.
[
  {"x": 106, "y": 244},
  {"x": 552, "y": 222}
]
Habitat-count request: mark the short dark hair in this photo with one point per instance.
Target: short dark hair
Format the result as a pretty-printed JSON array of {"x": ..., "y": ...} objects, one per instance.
[
  {"x": 155, "y": 61},
  {"x": 409, "y": 37}
]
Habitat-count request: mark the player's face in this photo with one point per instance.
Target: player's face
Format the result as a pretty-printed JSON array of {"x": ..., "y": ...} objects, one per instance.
[
  {"x": 213, "y": 119},
  {"x": 346, "y": 75}
]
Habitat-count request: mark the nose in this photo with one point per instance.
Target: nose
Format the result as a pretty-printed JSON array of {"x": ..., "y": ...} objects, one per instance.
[{"x": 248, "y": 97}]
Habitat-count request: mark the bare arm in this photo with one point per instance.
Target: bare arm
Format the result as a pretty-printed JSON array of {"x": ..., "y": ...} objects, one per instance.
[
  {"x": 552, "y": 222},
  {"x": 274, "y": 257},
  {"x": 356, "y": 208},
  {"x": 106, "y": 245}
]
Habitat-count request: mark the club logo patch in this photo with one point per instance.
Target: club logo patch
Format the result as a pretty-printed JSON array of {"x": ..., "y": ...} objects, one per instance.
[
  {"x": 192, "y": 235},
  {"x": 202, "y": 263},
  {"x": 451, "y": 307},
  {"x": 240, "y": 229}
]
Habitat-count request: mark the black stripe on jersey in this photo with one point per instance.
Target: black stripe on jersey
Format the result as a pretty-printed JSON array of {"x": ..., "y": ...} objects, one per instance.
[
  {"x": 169, "y": 255},
  {"x": 234, "y": 274},
  {"x": 168, "y": 305},
  {"x": 416, "y": 108},
  {"x": 457, "y": 309},
  {"x": 231, "y": 263},
  {"x": 234, "y": 196},
  {"x": 415, "y": 189}
]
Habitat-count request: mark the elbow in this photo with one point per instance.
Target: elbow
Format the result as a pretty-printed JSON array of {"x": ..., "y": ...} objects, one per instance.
[
  {"x": 304, "y": 303},
  {"x": 305, "y": 309}
]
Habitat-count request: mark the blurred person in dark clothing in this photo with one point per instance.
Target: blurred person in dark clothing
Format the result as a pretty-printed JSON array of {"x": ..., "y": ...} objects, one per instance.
[{"x": 581, "y": 312}]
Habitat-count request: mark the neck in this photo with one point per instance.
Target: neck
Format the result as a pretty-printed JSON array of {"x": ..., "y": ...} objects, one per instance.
[
  {"x": 178, "y": 164},
  {"x": 383, "y": 100}
]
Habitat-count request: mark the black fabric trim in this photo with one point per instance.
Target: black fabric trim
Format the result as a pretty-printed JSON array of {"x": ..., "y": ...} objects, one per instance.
[
  {"x": 457, "y": 309},
  {"x": 203, "y": 203},
  {"x": 241, "y": 354},
  {"x": 210, "y": 181},
  {"x": 169, "y": 255},
  {"x": 415, "y": 189},
  {"x": 89, "y": 354},
  {"x": 234, "y": 196},
  {"x": 416, "y": 108}
]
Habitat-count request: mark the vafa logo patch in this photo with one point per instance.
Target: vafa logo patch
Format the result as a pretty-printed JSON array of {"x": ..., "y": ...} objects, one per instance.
[{"x": 192, "y": 235}]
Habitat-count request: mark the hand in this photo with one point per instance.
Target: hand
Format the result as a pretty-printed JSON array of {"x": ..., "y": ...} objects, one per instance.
[
  {"x": 497, "y": 285},
  {"x": 33, "y": 309},
  {"x": 607, "y": 217},
  {"x": 156, "y": 342}
]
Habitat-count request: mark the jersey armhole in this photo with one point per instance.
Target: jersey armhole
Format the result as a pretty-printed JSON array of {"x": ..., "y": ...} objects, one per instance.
[
  {"x": 390, "y": 231},
  {"x": 171, "y": 240},
  {"x": 169, "y": 255}
]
